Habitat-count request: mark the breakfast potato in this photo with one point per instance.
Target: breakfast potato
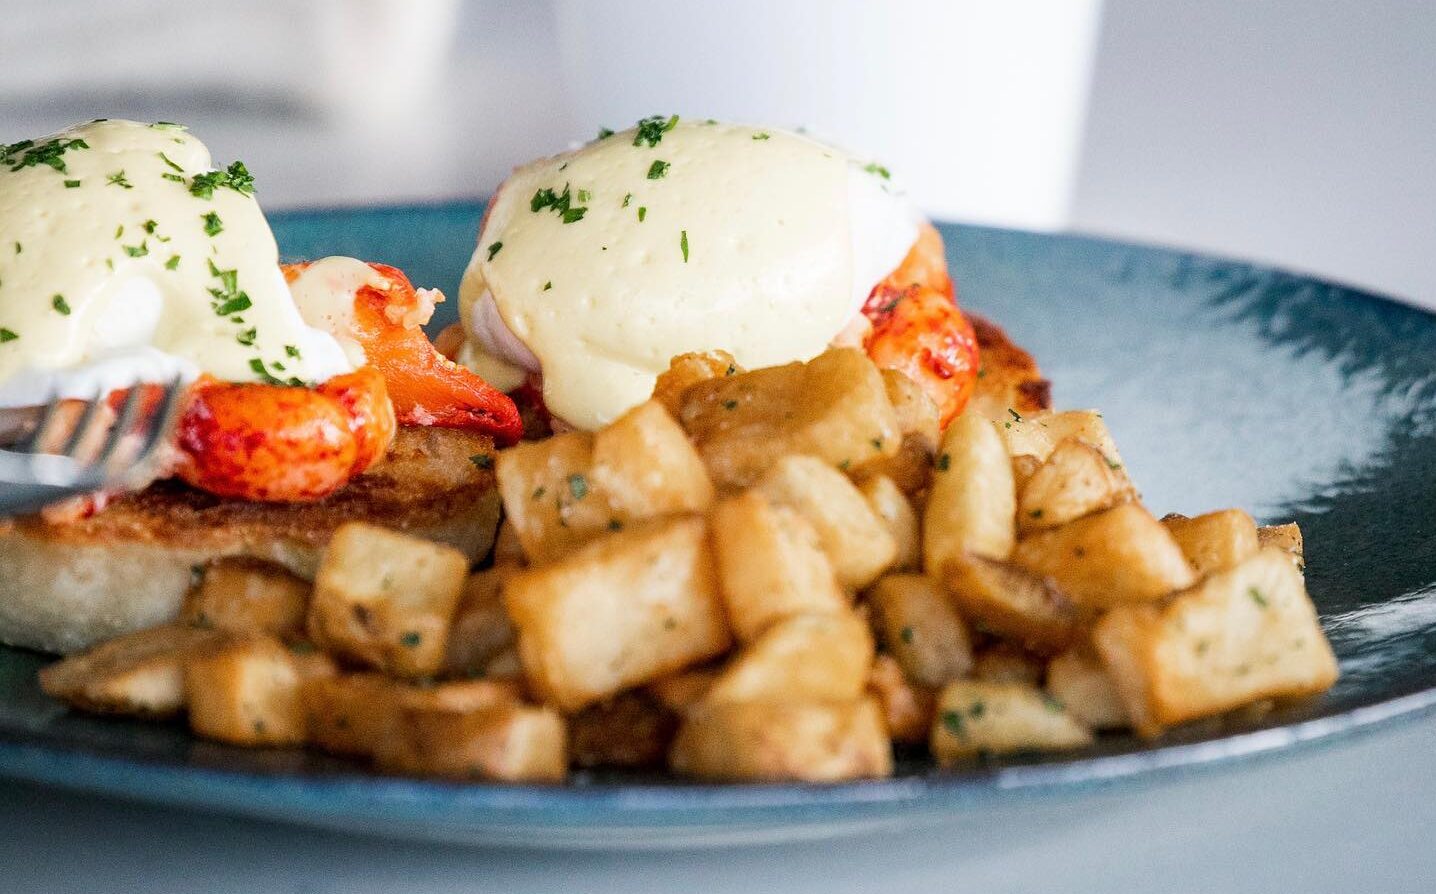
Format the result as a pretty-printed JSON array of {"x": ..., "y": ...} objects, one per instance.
[
  {"x": 857, "y": 543},
  {"x": 1024, "y": 466},
  {"x": 1285, "y": 537},
  {"x": 972, "y": 506},
  {"x": 1214, "y": 541},
  {"x": 386, "y": 600},
  {"x": 567, "y": 489},
  {"x": 619, "y": 611},
  {"x": 1113, "y": 557},
  {"x": 770, "y": 564},
  {"x": 920, "y": 629},
  {"x": 1076, "y": 480},
  {"x": 683, "y": 690},
  {"x": 1030, "y": 435},
  {"x": 686, "y": 370},
  {"x": 802, "y": 658},
  {"x": 1078, "y": 679},
  {"x": 1087, "y": 426},
  {"x": 1241, "y": 635},
  {"x": 507, "y": 549},
  {"x": 632, "y": 729},
  {"x": 139, "y": 674},
  {"x": 502, "y": 743},
  {"x": 248, "y": 596},
  {"x": 481, "y": 629},
  {"x": 977, "y": 718},
  {"x": 892, "y": 507},
  {"x": 915, "y": 412},
  {"x": 907, "y": 707},
  {"x": 1011, "y": 602},
  {"x": 783, "y": 741},
  {"x": 834, "y": 407},
  {"x": 248, "y": 692},
  {"x": 353, "y": 714},
  {"x": 1006, "y": 663}
]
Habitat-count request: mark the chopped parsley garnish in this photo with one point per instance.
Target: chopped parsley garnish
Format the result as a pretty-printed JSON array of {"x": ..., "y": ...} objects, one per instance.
[
  {"x": 616, "y": 525},
  {"x": 578, "y": 486},
  {"x": 118, "y": 179},
  {"x": 173, "y": 263},
  {"x": 642, "y": 213},
  {"x": 762, "y": 135},
  {"x": 907, "y": 635},
  {"x": 1257, "y": 597},
  {"x": 1016, "y": 417},
  {"x": 873, "y": 167},
  {"x": 175, "y": 177},
  {"x": 292, "y": 351},
  {"x": 235, "y": 177},
  {"x": 1112, "y": 463},
  {"x": 119, "y": 231},
  {"x": 683, "y": 244},
  {"x": 213, "y": 226},
  {"x": 71, "y": 184},
  {"x": 247, "y": 337},
  {"x": 50, "y": 153},
  {"x": 651, "y": 130},
  {"x": 137, "y": 251},
  {"x": 560, "y": 203},
  {"x": 944, "y": 462},
  {"x": 626, "y": 199},
  {"x": 584, "y": 195},
  {"x": 482, "y": 460},
  {"x": 548, "y": 285},
  {"x": 604, "y": 133},
  {"x": 494, "y": 248},
  {"x": 170, "y": 163},
  {"x": 61, "y": 305},
  {"x": 658, "y": 170},
  {"x": 235, "y": 305},
  {"x": 165, "y": 125},
  {"x": 150, "y": 226},
  {"x": 952, "y": 722},
  {"x": 19, "y": 248},
  {"x": 411, "y": 639},
  {"x": 730, "y": 405},
  {"x": 976, "y": 709}
]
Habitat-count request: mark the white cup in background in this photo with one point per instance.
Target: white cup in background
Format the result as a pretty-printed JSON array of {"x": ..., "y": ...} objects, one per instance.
[{"x": 976, "y": 106}]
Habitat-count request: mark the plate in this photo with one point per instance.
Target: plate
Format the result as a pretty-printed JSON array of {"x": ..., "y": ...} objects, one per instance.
[{"x": 1226, "y": 384}]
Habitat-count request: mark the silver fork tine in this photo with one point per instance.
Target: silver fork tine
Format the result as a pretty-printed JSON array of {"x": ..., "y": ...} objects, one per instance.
[
  {"x": 83, "y": 426},
  {"x": 43, "y": 425},
  {"x": 123, "y": 421},
  {"x": 163, "y": 421}
]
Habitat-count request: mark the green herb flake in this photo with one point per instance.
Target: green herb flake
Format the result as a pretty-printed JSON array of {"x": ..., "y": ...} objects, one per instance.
[
  {"x": 1112, "y": 464},
  {"x": 626, "y": 199},
  {"x": 642, "y": 213},
  {"x": 235, "y": 177},
  {"x": 615, "y": 525},
  {"x": 578, "y": 486},
  {"x": 604, "y": 133},
  {"x": 411, "y": 639},
  {"x": 976, "y": 709},
  {"x": 170, "y": 163},
  {"x": 168, "y": 125},
  {"x": 19, "y": 248},
  {"x": 118, "y": 179},
  {"x": 584, "y": 195},
  {"x": 51, "y": 153},
  {"x": 495, "y": 248},
  {"x": 137, "y": 251},
  {"x": 1258, "y": 597},
  {"x": 683, "y": 245},
  {"x": 730, "y": 405},
  {"x": 61, "y": 306},
  {"x": 650, "y": 130},
  {"x": 907, "y": 635},
  {"x": 762, "y": 135},
  {"x": 213, "y": 226},
  {"x": 292, "y": 351},
  {"x": 247, "y": 337},
  {"x": 71, "y": 184},
  {"x": 873, "y": 167},
  {"x": 548, "y": 285},
  {"x": 944, "y": 462},
  {"x": 658, "y": 170},
  {"x": 1016, "y": 417},
  {"x": 952, "y": 722},
  {"x": 482, "y": 460}
]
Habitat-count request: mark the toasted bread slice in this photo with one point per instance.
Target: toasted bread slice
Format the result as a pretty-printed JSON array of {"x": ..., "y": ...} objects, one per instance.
[
  {"x": 64, "y": 586},
  {"x": 1008, "y": 378}
]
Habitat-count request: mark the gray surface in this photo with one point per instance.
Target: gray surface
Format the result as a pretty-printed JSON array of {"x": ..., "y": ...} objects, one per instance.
[{"x": 1296, "y": 132}]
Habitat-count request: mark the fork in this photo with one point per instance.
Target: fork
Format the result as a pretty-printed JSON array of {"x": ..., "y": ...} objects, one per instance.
[{"x": 34, "y": 474}]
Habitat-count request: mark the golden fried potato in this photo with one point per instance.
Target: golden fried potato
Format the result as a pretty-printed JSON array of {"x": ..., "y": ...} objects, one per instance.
[
  {"x": 973, "y": 503},
  {"x": 857, "y": 543},
  {"x": 1029, "y": 435},
  {"x": 1006, "y": 663},
  {"x": 503, "y": 742},
  {"x": 783, "y": 741},
  {"x": 770, "y": 564},
  {"x": 834, "y": 407},
  {"x": 248, "y": 596},
  {"x": 823, "y": 657},
  {"x": 507, "y": 549},
  {"x": 907, "y": 707},
  {"x": 618, "y": 611},
  {"x": 632, "y": 729},
  {"x": 386, "y": 599},
  {"x": 1286, "y": 537},
  {"x": 1214, "y": 541},
  {"x": 247, "y": 692},
  {"x": 1241, "y": 635},
  {"x": 565, "y": 490},
  {"x": 139, "y": 674},
  {"x": 354, "y": 714},
  {"x": 481, "y": 629},
  {"x": 1117, "y": 556},
  {"x": 1024, "y": 466},
  {"x": 892, "y": 507},
  {"x": 915, "y": 411},
  {"x": 1078, "y": 679},
  {"x": 976, "y": 718},
  {"x": 920, "y": 628},
  {"x": 687, "y": 370},
  {"x": 685, "y": 689},
  {"x": 1011, "y": 602},
  {"x": 1076, "y": 480}
]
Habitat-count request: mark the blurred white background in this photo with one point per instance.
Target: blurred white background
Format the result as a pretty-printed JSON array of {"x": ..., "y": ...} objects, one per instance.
[{"x": 1295, "y": 131}]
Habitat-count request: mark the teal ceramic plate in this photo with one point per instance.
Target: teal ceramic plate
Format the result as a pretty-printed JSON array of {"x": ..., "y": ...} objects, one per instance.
[{"x": 1226, "y": 384}]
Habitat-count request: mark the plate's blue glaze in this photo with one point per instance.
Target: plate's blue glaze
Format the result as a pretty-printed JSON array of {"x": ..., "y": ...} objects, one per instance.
[{"x": 1225, "y": 383}]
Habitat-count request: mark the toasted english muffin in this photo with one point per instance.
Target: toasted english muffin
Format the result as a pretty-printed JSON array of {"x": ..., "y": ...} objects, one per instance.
[{"x": 64, "y": 586}]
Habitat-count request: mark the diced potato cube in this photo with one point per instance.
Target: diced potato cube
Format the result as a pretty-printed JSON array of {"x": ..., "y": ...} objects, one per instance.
[
  {"x": 972, "y": 506},
  {"x": 1241, "y": 635},
  {"x": 248, "y": 692},
  {"x": 1286, "y": 537},
  {"x": 140, "y": 673},
  {"x": 834, "y": 407},
  {"x": 910, "y": 468},
  {"x": 802, "y": 658},
  {"x": 632, "y": 729},
  {"x": 921, "y": 630},
  {"x": 386, "y": 599},
  {"x": 354, "y": 714},
  {"x": 687, "y": 370},
  {"x": 915, "y": 412},
  {"x": 1215, "y": 541},
  {"x": 907, "y": 707},
  {"x": 507, "y": 549},
  {"x": 619, "y": 611},
  {"x": 770, "y": 565},
  {"x": 1011, "y": 602},
  {"x": 565, "y": 490},
  {"x": 1006, "y": 663},
  {"x": 1117, "y": 556},
  {"x": 783, "y": 741},
  {"x": 892, "y": 506},
  {"x": 976, "y": 718},
  {"x": 1087, "y": 426},
  {"x": 1027, "y": 435},
  {"x": 682, "y": 691},
  {"x": 481, "y": 629},
  {"x": 248, "y": 596},
  {"x": 856, "y": 542},
  {"x": 1078, "y": 679},
  {"x": 1076, "y": 480},
  {"x": 1024, "y": 466},
  {"x": 505, "y": 743}
]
